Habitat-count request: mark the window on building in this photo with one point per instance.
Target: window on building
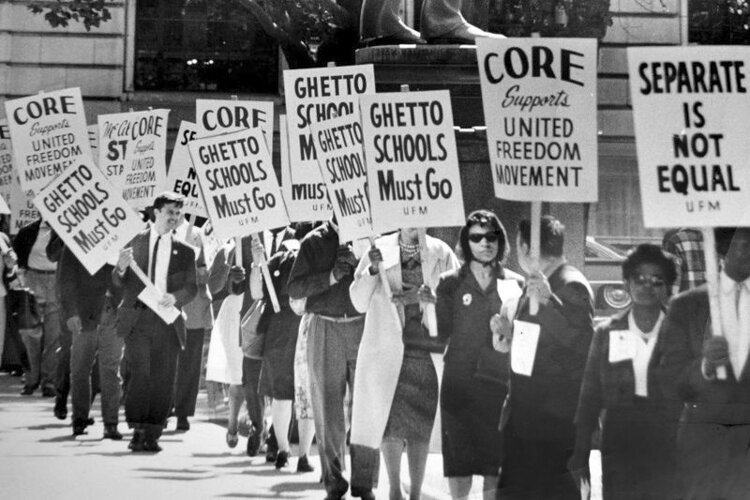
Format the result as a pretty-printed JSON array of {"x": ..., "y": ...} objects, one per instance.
[
  {"x": 719, "y": 22},
  {"x": 202, "y": 45}
]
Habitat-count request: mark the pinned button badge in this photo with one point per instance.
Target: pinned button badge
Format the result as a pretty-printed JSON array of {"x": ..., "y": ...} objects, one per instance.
[{"x": 467, "y": 299}]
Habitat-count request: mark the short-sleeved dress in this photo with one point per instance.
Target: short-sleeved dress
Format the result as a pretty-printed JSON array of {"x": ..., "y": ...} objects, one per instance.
[{"x": 470, "y": 405}]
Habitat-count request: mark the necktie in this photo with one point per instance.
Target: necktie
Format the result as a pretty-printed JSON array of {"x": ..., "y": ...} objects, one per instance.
[{"x": 152, "y": 274}]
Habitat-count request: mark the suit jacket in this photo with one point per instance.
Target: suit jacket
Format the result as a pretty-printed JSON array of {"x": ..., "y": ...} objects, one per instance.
[
  {"x": 181, "y": 282},
  {"x": 543, "y": 406},
  {"x": 685, "y": 328},
  {"x": 24, "y": 242},
  {"x": 83, "y": 294}
]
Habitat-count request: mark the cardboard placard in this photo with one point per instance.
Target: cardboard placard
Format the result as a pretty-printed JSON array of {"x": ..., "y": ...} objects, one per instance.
[
  {"x": 316, "y": 95},
  {"x": 7, "y": 175},
  {"x": 338, "y": 143},
  {"x": 238, "y": 183},
  {"x": 539, "y": 100},
  {"x": 692, "y": 159},
  {"x": 49, "y": 134},
  {"x": 412, "y": 160},
  {"x": 22, "y": 209},
  {"x": 94, "y": 142},
  {"x": 89, "y": 214},
  {"x": 222, "y": 116},
  {"x": 181, "y": 177},
  {"x": 132, "y": 153}
]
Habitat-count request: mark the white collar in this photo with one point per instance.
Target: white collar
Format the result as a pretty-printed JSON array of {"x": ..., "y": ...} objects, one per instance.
[
  {"x": 633, "y": 326},
  {"x": 728, "y": 286},
  {"x": 155, "y": 234}
]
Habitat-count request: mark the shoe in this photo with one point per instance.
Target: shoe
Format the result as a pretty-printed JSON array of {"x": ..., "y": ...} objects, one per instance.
[
  {"x": 111, "y": 432},
  {"x": 136, "y": 443},
  {"x": 28, "y": 390},
  {"x": 303, "y": 465},
  {"x": 48, "y": 392},
  {"x": 272, "y": 447},
  {"x": 182, "y": 424},
  {"x": 282, "y": 459},
  {"x": 253, "y": 442},
  {"x": 363, "y": 493},
  {"x": 90, "y": 421},
  {"x": 463, "y": 34},
  {"x": 232, "y": 439},
  {"x": 61, "y": 410},
  {"x": 151, "y": 445},
  {"x": 79, "y": 428}
]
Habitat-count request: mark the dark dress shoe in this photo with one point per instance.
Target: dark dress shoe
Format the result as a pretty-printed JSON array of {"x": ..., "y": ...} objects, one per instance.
[
  {"x": 151, "y": 445},
  {"x": 90, "y": 421},
  {"x": 28, "y": 390},
  {"x": 111, "y": 432},
  {"x": 182, "y": 424},
  {"x": 61, "y": 410},
  {"x": 282, "y": 459},
  {"x": 363, "y": 493},
  {"x": 253, "y": 442},
  {"x": 79, "y": 428},
  {"x": 303, "y": 465},
  {"x": 136, "y": 442}
]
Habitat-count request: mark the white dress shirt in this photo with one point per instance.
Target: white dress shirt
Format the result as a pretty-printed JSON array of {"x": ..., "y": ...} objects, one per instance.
[
  {"x": 644, "y": 348},
  {"x": 735, "y": 319},
  {"x": 163, "y": 255}
]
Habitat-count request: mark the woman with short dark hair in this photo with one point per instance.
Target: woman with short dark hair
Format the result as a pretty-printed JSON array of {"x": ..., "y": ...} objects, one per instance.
[
  {"x": 639, "y": 426},
  {"x": 475, "y": 377}
]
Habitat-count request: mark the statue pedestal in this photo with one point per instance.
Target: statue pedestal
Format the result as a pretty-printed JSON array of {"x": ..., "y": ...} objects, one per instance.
[{"x": 454, "y": 67}]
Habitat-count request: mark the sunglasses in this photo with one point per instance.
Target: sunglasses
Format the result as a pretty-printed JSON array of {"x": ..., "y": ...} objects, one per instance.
[
  {"x": 490, "y": 237},
  {"x": 645, "y": 279}
]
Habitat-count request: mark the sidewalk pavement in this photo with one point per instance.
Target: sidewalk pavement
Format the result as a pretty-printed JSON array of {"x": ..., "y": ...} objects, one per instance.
[{"x": 40, "y": 459}]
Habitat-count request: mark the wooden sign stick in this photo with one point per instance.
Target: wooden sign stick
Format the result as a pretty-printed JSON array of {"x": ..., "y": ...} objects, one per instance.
[
  {"x": 712, "y": 279},
  {"x": 267, "y": 279},
  {"x": 536, "y": 216}
]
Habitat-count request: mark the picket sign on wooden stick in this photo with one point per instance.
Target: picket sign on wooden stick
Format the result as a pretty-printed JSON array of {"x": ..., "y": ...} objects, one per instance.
[
  {"x": 139, "y": 272},
  {"x": 263, "y": 265},
  {"x": 428, "y": 309},
  {"x": 536, "y": 216},
  {"x": 712, "y": 278}
]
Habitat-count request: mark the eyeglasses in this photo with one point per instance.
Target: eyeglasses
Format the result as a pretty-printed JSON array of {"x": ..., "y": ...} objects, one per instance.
[
  {"x": 645, "y": 279},
  {"x": 490, "y": 237}
]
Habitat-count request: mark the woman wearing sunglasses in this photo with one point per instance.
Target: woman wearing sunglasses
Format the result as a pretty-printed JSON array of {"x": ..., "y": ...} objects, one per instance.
[
  {"x": 474, "y": 381},
  {"x": 638, "y": 427}
]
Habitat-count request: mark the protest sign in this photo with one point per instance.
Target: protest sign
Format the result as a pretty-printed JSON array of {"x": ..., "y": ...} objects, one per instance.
[
  {"x": 221, "y": 116},
  {"x": 7, "y": 175},
  {"x": 692, "y": 160},
  {"x": 48, "y": 132},
  {"x": 94, "y": 142},
  {"x": 133, "y": 148},
  {"x": 238, "y": 183},
  {"x": 315, "y": 95},
  {"x": 539, "y": 99},
  {"x": 89, "y": 214},
  {"x": 412, "y": 161},
  {"x": 181, "y": 177},
  {"x": 22, "y": 209},
  {"x": 338, "y": 143}
]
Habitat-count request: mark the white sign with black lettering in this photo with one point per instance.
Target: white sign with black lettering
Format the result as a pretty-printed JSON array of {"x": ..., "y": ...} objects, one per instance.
[
  {"x": 132, "y": 153},
  {"x": 94, "y": 142},
  {"x": 539, "y": 99},
  {"x": 181, "y": 177},
  {"x": 49, "y": 134},
  {"x": 316, "y": 95},
  {"x": 412, "y": 160},
  {"x": 221, "y": 116},
  {"x": 7, "y": 175},
  {"x": 238, "y": 183},
  {"x": 89, "y": 214},
  {"x": 692, "y": 159},
  {"x": 338, "y": 142}
]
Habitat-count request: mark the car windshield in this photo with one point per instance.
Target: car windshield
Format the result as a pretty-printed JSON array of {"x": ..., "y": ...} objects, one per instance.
[{"x": 598, "y": 250}]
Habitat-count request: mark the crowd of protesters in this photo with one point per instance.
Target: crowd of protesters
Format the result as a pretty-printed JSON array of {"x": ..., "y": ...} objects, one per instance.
[{"x": 403, "y": 346}]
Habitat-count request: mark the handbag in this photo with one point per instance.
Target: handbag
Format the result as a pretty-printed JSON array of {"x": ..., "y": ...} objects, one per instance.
[{"x": 252, "y": 339}]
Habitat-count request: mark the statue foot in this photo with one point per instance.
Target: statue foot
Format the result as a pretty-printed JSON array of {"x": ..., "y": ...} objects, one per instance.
[
  {"x": 464, "y": 33},
  {"x": 399, "y": 33}
]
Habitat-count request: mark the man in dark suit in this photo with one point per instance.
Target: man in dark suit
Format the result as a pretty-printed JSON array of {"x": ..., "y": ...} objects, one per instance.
[
  {"x": 152, "y": 345},
  {"x": 710, "y": 374},
  {"x": 539, "y": 434}
]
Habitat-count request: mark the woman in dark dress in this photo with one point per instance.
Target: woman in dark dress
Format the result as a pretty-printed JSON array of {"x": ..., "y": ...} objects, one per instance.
[
  {"x": 474, "y": 381},
  {"x": 638, "y": 426}
]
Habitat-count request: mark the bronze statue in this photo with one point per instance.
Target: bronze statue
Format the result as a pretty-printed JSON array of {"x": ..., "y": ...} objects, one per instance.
[{"x": 441, "y": 22}]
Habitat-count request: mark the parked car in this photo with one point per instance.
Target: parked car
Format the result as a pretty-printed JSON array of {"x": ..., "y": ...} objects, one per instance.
[{"x": 603, "y": 268}]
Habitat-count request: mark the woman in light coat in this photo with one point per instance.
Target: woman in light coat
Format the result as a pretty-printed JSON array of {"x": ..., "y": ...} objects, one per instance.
[{"x": 399, "y": 365}]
